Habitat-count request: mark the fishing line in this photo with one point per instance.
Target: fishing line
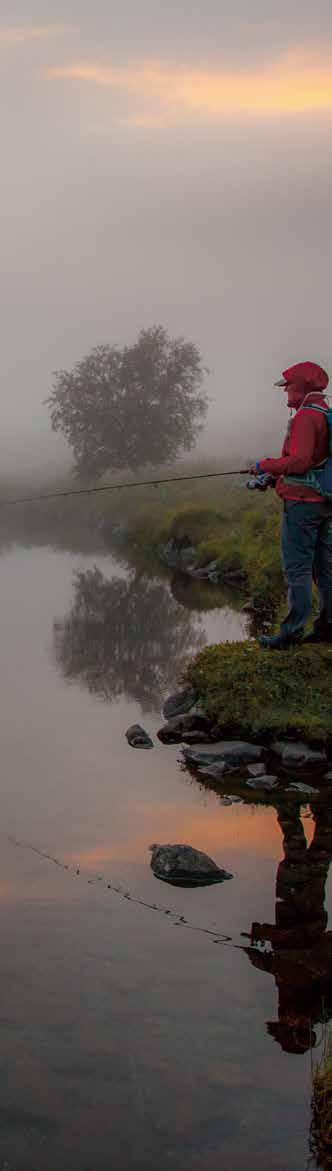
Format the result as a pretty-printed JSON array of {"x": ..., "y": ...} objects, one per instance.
[
  {"x": 117, "y": 487},
  {"x": 215, "y": 936}
]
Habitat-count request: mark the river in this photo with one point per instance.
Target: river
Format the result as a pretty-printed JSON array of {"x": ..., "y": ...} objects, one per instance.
[{"x": 136, "y": 1030}]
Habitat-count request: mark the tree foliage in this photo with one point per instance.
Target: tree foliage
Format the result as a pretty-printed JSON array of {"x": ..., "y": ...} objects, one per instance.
[{"x": 131, "y": 407}]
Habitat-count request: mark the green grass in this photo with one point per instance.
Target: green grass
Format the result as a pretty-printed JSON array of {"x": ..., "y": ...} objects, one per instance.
[{"x": 249, "y": 691}]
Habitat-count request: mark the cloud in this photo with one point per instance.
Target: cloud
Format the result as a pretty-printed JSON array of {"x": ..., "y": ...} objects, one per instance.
[
  {"x": 298, "y": 82},
  {"x": 15, "y": 34}
]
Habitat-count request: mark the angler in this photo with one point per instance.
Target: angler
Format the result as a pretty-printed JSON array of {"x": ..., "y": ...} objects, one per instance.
[{"x": 302, "y": 476}]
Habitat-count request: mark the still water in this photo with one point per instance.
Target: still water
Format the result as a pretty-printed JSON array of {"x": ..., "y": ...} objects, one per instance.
[{"x": 130, "y": 1039}]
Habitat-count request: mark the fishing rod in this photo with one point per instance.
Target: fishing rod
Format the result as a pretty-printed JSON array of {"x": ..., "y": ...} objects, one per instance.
[{"x": 118, "y": 487}]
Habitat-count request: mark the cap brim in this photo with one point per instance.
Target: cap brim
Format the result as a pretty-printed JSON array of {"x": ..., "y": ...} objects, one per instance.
[{"x": 282, "y": 382}]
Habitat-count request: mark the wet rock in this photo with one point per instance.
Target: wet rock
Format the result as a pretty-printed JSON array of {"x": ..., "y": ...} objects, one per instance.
[
  {"x": 182, "y": 865},
  {"x": 299, "y": 787},
  {"x": 234, "y": 752},
  {"x": 217, "y": 771},
  {"x": 263, "y": 782},
  {"x": 297, "y": 754},
  {"x": 231, "y": 800},
  {"x": 138, "y": 738},
  {"x": 196, "y": 737},
  {"x": 256, "y": 770},
  {"x": 192, "y": 728},
  {"x": 180, "y": 702}
]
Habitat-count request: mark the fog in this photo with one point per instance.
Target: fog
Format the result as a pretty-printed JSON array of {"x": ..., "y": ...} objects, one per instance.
[{"x": 161, "y": 164}]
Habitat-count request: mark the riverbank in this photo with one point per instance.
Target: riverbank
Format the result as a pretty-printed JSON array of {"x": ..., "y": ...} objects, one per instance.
[{"x": 250, "y": 692}]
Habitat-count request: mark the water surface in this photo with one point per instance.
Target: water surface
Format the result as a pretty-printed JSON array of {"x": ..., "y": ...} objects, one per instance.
[{"x": 129, "y": 1037}]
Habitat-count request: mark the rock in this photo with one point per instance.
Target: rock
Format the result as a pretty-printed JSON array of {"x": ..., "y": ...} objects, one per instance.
[
  {"x": 328, "y": 776},
  {"x": 138, "y": 738},
  {"x": 180, "y": 702},
  {"x": 297, "y": 754},
  {"x": 256, "y": 770},
  {"x": 265, "y": 782},
  {"x": 196, "y": 737},
  {"x": 191, "y": 727},
  {"x": 185, "y": 866},
  {"x": 231, "y": 800},
  {"x": 299, "y": 787},
  {"x": 234, "y": 752},
  {"x": 235, "y": 577},
  {"x": 216, "y": 771}
]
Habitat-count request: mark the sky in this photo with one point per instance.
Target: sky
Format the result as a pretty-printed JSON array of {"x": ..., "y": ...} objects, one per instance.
[{"x": 164, "y": 163}]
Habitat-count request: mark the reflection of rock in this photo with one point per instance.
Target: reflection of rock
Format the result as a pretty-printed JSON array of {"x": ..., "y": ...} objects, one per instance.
[
  {"x": 301, "y": 955},
  {"x": 185, "y": 866},
  {"x": 138, "y": 738},
  {"x": 179, "y": 703},
  {"x": 299, "y": 755},
  {"x": 234, "y": 752},
  {"x": 125, "y": 636}
]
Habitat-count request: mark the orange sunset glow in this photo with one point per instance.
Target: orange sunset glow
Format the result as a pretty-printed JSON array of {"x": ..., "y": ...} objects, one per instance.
[{"x": 296, "y": 83}]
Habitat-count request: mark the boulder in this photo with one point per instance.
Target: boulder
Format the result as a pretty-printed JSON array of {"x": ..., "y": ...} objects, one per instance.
[
  {"x": 185, "y": 866},
  {"x": 297, "y": 754},
  {"x": 138, "y": 738},
  {"x": 264, "y": 782},
  {"x": 180, "y": 702},
  {"x": 185, "y": 727},
  {"x": 234, "y": 752}
]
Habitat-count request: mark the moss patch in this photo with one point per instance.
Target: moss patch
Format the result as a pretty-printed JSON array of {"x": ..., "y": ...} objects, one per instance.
[{"x": 248, "y": 690}]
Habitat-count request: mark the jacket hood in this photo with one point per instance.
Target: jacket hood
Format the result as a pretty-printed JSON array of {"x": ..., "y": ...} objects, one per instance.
[{"x": 307, "y": 376}]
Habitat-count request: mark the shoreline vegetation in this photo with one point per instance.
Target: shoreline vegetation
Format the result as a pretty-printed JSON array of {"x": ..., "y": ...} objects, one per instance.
[
  {"x": 253, "y": 693},
  {"x": 227, "y": 524}
]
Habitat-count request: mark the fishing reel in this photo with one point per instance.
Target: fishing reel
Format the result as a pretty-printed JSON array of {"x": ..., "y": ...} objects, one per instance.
[{"x": 261, "y": 482}]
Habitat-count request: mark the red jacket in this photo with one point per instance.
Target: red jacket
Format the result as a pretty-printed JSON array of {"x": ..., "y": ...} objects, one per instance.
[{"x": 306, "y": 445}]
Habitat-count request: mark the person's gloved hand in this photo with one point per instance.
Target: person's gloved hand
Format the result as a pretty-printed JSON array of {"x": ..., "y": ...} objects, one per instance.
[{"x": 261, "y": 481}]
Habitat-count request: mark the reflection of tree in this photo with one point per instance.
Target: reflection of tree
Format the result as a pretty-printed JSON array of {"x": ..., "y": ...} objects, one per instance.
[
  {"x": 301, "y": 955},
  {"x": 125, "y": 636}
]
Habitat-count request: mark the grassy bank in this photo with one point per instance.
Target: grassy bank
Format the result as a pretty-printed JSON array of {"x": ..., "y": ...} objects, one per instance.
[
  {"x": 250, "y": 691},
  {"x": 240, "y": 535}
]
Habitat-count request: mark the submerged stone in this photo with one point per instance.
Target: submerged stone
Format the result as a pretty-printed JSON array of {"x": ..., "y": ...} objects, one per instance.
[
  {"x": 234, "y": 752},
  {"x": 138, "y": 738},
  {"x": 179, "y": 702},
  {"x": 299, "y": 787},
  {"x": 182, "y": 865}
]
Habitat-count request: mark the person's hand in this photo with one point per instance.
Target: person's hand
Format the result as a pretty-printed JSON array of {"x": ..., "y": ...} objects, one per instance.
[{"x": 253, "y": 469}]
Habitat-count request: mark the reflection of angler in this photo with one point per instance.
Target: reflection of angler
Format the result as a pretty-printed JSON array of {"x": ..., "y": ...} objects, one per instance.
[{"x": 301, "y": 956}]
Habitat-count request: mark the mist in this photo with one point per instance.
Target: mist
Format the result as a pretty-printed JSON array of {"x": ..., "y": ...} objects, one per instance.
[{"x": 123, "y": 207}]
